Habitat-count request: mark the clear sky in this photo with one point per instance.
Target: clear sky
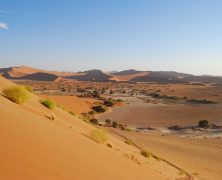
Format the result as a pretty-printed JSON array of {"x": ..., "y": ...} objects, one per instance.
[{"x": 180, "y": 35}]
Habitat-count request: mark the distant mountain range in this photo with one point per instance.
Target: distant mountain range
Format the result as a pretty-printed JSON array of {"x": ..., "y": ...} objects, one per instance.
[{"x": 29, "y": 73}]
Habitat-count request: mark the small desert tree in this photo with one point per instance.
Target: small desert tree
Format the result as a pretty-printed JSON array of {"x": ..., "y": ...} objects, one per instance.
[
  {"x": 115, "y": 124},
  {"x": 108, "y": 103},
  {"x": 203, "y": 123},
  {"x": 108, "y": 122},
  {"x": 99, "y": 109}
]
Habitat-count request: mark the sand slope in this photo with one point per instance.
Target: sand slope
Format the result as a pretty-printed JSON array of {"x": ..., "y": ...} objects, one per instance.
[
  {"x": 73, "y": 103},
  {"x": 34, "y": 147},
  {"x": 201, "y": 157}
]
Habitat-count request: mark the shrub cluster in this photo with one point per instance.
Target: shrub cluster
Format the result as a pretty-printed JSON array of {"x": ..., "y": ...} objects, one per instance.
[
  {"x": 201, "y": 101},
  {"x": 94, "y": 121},
  {"x": 17, "y": 94},
  {"x": 99, "y": 135},
  {"x": 48, "y": 103},
  {"x": 109, "y": 103},
  {"x": 99, "y": 109}
]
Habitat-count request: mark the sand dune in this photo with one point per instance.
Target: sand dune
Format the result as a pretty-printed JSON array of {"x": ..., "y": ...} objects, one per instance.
[
  {"x": 34, "y": 147},
  {"x": 24, "y": 72},
  {"x": 29, "y": 73},
  {"x": 73, "y": 103}
]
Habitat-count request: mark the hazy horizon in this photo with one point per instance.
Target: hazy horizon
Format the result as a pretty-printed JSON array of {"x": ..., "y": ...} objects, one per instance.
[{"x": 182, "y": 36}]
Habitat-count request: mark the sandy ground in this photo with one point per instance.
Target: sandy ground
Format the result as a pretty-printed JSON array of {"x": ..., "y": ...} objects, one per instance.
[
  {"x": 201, "y": 157},
  {"x": 159, "y": 115},
  {"x": 72, "y": 103},
  {"x": 35, "y": 147}
]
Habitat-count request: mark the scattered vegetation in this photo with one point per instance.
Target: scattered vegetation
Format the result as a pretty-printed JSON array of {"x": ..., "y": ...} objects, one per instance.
[
  {"x": 201, "y": 101},
  {"x": 50, "y": 104},
  {"x": 96, "y": 94},
  {"x": 81, "y": 90},
  {"x": 17, "y": 94},
  {"x": 109, "y": 102},
  {"x": 148, "y": 154},
  {"x": 99, "y": 135}
]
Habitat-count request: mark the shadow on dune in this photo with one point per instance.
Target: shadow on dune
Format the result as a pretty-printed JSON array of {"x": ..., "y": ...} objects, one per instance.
[{"x": 35, "y": 76}]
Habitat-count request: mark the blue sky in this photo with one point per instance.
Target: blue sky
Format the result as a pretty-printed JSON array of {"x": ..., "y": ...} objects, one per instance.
[{"x": 180, "y": 35}]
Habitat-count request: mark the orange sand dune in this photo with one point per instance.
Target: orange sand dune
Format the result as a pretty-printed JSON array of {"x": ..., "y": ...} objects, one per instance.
[
  {"x": 25, "y": 70},
  {"x": 34, "y": 147},
  {"x": 73, "y": 103},
  {"x": 128, "y": 77}
]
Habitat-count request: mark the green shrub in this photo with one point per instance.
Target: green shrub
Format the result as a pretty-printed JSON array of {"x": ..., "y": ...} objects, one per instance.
[
  {"x": 17, "y": 94},
  {"x": 99, "y": 135},
  {"x": 48, "y": 103},
  {"x": 145, "y": 153},
  {"x": 28, "y": 88}
]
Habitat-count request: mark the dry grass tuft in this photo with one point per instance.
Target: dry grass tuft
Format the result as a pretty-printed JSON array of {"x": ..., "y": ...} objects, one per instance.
[
  {"x": 17, "y": 94},
  {"x": 99, "y": 135}
]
